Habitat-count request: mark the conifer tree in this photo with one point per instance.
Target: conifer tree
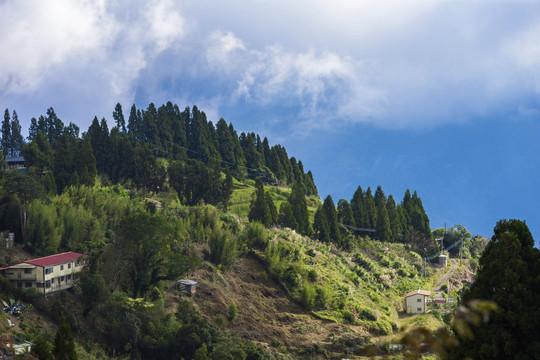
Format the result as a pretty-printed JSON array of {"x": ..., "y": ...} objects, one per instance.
[
  {"x": 260, "y": 208},
  {"x": 86, "y": 163},
  {"x": 331, "y": 217},
  {"x": 382, "y": 230},
  {"x": 320, "y": 225},
  {"x": 359, "y": 210},
  {"x": 6, "y": 134},
  {"x": 295, "y": 215},
  {"x": 17, "y": 140},
  {"x": 63, "y": 165},
  {"x": 393, "y": 217},
  {"x": 64, "y": 344},
  {"x": 118, "y": 116},
  {"x": 371, "y": 208},
  {"x": 345, "y": 213}
]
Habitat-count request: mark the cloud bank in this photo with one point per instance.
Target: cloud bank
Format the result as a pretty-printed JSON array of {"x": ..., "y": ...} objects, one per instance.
[{"x": 393, "y": 64}]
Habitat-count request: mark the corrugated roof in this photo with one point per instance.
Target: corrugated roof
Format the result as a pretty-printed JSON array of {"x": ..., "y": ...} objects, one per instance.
[
  {"x": 419, "y": 292},
  {"x": 55, "y": 259}
]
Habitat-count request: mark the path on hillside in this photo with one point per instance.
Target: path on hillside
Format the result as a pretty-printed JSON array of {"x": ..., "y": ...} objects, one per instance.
[{"x": 437, "y": 289}]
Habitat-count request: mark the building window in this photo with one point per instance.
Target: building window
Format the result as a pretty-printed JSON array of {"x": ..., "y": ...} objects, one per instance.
[
  {"x": 19, "y": 284},
  {"x": 27, "y": 271},
  {"x": 27, "y": 284},
  {"x": 69, "y": 277},
  {"x": 418, "y": 300},
  {"x": 419, "y": 309},
  {"x": 52, "y": 281},
  {"x": 49, "y": 270},
  {"x": 69, "y": 266},
  {"x": 61, "y": 267},
  {"x": 48, "y": 283},
  {"x": 39, "y": 285},
  {"x": 61, "y": 278}
]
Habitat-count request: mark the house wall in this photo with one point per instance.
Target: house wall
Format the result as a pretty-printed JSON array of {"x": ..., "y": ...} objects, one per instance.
[
  {"x": 415, "y": 304},
  {"x": 60, "y": 278},
  {"x": 62, "y": 275}
]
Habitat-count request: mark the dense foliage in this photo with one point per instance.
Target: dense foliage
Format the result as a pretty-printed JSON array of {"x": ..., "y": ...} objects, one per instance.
[{"x": 508, "y": 275}]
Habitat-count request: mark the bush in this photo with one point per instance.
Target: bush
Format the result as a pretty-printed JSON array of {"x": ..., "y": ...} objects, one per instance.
[
  {"x": 348, "y": 316},
  {"x": 32, "y": 293},
  {"x": 223, "y": 247},
  {"x": 256, "y": 235},
  {"x": 308, "y": 295},
  {"x": 233, "y": 311},
  {"x": 231, "y": 222},
  {"x": 474, "y": 264},
  {"x": 313, "y": 275},
  {"x": 322, "y": 296},
  {"x": 367, "y": 314}
]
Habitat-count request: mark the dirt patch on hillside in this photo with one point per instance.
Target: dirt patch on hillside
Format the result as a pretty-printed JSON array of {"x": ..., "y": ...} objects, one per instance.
[{"x": 266, "y": 315}]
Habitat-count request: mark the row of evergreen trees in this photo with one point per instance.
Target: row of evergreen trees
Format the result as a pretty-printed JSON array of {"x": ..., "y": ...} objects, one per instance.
[
  {"x": 12, "y": 139},
  {"x": 377, "y": 212},
  {"x": 129, "y": 152},
  {"x": 374, "y": 215}
]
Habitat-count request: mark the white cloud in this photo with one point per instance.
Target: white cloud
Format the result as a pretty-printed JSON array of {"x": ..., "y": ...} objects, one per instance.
[
  {"x": 323, "y": 86},
  {"x": 40, "y": 34},
  {"x": 224, "y": 51},
  {"x": 113, "y": 41}
]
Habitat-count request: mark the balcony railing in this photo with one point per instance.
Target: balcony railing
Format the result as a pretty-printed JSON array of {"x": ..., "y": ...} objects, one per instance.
[{"x": 57, "y": 287}]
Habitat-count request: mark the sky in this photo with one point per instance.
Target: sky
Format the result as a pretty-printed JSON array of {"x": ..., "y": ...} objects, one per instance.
[{"x": 437, "y": 96}]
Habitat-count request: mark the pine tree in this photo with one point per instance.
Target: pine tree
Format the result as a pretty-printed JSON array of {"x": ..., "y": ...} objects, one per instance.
[
  {"x": 345, "y": 213},
  {"x": 371, "y": 208},
  {"x": 17, "y": 140},
  {"x": 86, "y": 163},
  {"x": 359, "y": 210},
  {"x": 6, "y": 134},
  {"x": 260, "y": 209},
  {"x": 296, "y": 215},
  {"x": 331, "y": 217},
  {"x": 64, "y": 344},
  {"x": 382, "y": 230},
  {"x": 54, "y": 127},
  {"x": 320, "y": 225},
  {"x": 63, "y": 165},
  {"x": 393, "y": 217},
  {"x": 118, "y": 116}
]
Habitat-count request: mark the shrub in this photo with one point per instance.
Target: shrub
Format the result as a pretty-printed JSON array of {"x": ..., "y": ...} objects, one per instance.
[
  {"x": 292, "y": 278},
  {"x": 322, "y": 296},
  {"x": 256, "y": 235},
  {"x": 313, "y": 275},
  {"x": 367, "y": 314},
  {"x": 348, "y": 316},
  {"x": 308, "y": 295},
  {"x": 474, "y": 264},
  {"x": 233, "y": 311},
  {"x": 231, "y": 222},
  {"x": 363, "y": 262},
  {"x": 223, "y": 247}
]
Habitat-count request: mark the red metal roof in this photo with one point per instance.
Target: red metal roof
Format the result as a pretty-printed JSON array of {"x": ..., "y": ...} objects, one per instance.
[{"x": 55, "y": 259}]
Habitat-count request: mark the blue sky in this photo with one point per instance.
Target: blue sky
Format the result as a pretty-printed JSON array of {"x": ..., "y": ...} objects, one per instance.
[{"x": 438, "y": 96}]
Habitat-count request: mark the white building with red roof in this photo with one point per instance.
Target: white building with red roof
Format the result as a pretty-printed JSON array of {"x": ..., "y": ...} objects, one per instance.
[
  {"x": 415, "y": 301},
  {"x": 48, "y": 274}
]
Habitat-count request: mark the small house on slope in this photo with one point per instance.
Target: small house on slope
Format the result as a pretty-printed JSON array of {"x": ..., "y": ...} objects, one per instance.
[
  {"x": 415, "y": 301},
  {"x": 48, "y": 274}
]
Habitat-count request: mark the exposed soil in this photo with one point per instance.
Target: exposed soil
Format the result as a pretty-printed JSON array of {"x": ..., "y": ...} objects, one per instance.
[{"x": 266, "y": 315}]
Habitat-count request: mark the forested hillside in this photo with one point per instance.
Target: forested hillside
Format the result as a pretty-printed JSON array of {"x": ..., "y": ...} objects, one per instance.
[{"x": 165, "y": 195}]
